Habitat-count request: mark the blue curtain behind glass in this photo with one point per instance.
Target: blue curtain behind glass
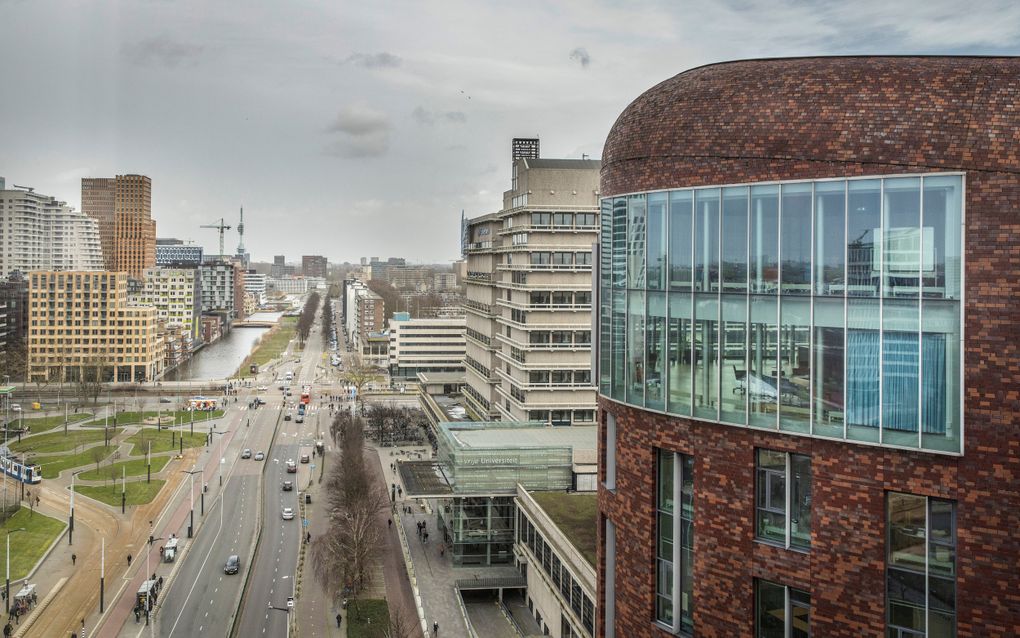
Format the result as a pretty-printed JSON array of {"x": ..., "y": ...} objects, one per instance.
[
  {"x": 933, "y": 388},
  {"x": 900, "y": 376},
  {"x": 862, "y": 377}
]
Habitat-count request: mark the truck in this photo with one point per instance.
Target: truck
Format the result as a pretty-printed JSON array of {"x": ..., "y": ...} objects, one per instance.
[{"x": 170, "y": 550}]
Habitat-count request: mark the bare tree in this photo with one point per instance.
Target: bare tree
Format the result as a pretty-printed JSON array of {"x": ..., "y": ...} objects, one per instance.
[
  {"x": 14, "y": 361},
  {"x": 360, "y": 373},
  {"x": 402, "y": 626},
  {"x": 97, "y": 454}
]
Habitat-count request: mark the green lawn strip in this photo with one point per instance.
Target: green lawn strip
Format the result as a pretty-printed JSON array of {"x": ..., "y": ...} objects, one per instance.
[
  {"x": 367, "y": 618},
  {"x": 46, "y": 423},
  {"x": 271, "y": 346},
  {"x": 138, "y": 492},
  {"x": 134, "y": 467},
  {"x": 164, "y": 440},
  {"x": 56, "y": 441},
  {"x": 577, "y": 517},
  {"x": 134, "y": 418},
  {"x": 27, "y": 547},
  {"x": 54, "y": 464}
]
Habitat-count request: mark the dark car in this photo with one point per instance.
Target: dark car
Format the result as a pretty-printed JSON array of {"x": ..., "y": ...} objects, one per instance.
[
  {"x": 304, "y": 458},
  {"x": 233, "y": 565},
  {"x": 288, "y": 486},
  {"x": 165, "y": 400},
  {"x": 286, "y": 417}
]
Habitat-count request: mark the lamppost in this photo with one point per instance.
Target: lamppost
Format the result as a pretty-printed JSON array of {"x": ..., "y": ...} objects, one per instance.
[
  {"x": 7, "y": 597},
  {"x": 191, "y": 521},
  {"x": 123, "y": 488},
  {"x": 148, "y": 591},
  {"x": 70, "y": 516},
  {"x": 148, "y": 463},
  {"x": 220, "y": 450},
  {"x": 102, "y": 574}
]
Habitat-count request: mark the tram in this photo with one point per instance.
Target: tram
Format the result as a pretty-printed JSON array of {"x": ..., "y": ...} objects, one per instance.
[{"x": 13, "y": 467}]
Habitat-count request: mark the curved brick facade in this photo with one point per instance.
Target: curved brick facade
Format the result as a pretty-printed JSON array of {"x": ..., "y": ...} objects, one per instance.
[{"x": 766, "y": 120}]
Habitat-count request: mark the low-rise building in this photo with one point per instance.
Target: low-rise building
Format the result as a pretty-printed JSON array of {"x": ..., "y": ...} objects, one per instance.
[
  {"x": 82, "y": 327},
  {"x": 288, "y": 285},
  {"x": 255, "y": 284},
  {"x": 425, "y": 345},
  {"x": 175, "y": 253}
]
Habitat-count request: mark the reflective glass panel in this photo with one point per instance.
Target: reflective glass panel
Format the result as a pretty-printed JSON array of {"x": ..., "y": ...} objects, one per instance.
[
  {"x": 903, "y": 242},
  {"x": 800, "y": 501},
  {"x": 763, "y": 341},
  {"x": 770, "y": 621},
  {"x": 862, "y": 365},
  {"x": 734, "y": 239},
  {"x": 656, "y": 240},
  {"x": 733, "y": 393},
  {"x": 619, "y": 242},
  {"x": 681, "y": 237},
  {"x": 706, "y": 240},
  {"x": 942, "y": 218},
  {"x": 940, "y": 376},
  {"x": 636, "y": 348},
  {"x": 864, "y": 219},
  {"x": 655, "y": 352},
  {"x": 636, "y": 230},
  {"x": 830, "y": 238},
  {"x": 619, "y": 354},
  {"x": 680, "y": 339},
  {"x": 795, "y": 240},
  {"x": 706, "y": 357},
  {"x": 900, "y": 373},
  {"x": 764, "y": 239},
  {"x": 827, "y": 358},
  {"x": 792, "y": 378}
]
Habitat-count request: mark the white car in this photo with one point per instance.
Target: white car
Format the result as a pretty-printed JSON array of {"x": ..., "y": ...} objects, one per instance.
[
  {"x": 262, "y": 388},
  {"x": 288, "y": 513}
]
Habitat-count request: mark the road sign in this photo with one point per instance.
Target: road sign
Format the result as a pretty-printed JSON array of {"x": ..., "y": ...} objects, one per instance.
[{"x": 304, "y": 522}]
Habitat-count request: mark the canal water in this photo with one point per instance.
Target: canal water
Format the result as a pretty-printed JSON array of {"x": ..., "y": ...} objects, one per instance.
[{"x": 222, "y": 358}]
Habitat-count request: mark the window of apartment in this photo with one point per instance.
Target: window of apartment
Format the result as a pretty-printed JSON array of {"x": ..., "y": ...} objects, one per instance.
[
  {"x": 582, "y": 337},
  {"x": 563, "y": 220},
  {"x": 784, "y": 498},
  {"x": 560, "y": 417},
  {"x": 519, "y": 277},
  {"x": 780, "y": 611},
  {"x": 518, "y": 315},
  {"x": 538, "y": 337},
  {"x": 582, "y": 298},
  {"x": 562, "y": 259},
  {"x": 540, "y": 258},
  {"x": 561, "y": 336},
  {"x": 543, "y": 416},
  {"x": 583, "y": 259},
  {"x": 538, "y": 377},
  {"x": 674, "y": 547},
  {"x": 561, "y": 298},
  {"x": 920, "y": 566},
  {"x": 562, "y": 377},
  {"x": 540, "y": 298},
  {"x": 584, "y": 219},
  {"x": 541, "y": 219}
]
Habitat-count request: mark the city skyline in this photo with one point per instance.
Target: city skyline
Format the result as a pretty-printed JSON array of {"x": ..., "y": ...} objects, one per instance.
[{"x": 354, "y": 122}]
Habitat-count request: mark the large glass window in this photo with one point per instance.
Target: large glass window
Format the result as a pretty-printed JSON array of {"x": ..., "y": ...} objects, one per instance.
[
  {"x": 920, "y": 567},
  {"x": 656, "y": 224},
  {"x": 784, "y": 498},
  {"x": 674, "y": 589},
  {"x": 781, "y": 612},
  {"x": 826, "y": 308}
]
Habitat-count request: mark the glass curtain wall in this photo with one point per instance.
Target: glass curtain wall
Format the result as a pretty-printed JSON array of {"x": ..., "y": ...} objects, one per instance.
[{"x": 829, "y": 308}]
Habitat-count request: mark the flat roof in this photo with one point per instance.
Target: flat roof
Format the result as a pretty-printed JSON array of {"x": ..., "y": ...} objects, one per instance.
[
  {"x": 577, "y": 517},
  {"x": 504, "y": 435},
  {"x": 442, "y": 377},
  {"x": 452, "y": 408}
]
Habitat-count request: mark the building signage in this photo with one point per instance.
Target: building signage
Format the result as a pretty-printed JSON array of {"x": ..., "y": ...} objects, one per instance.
[{"x": 493, "y": 460}]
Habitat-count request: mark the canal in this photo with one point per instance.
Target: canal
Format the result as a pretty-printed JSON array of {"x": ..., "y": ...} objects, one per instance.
[{"x": 222, "y": 358}]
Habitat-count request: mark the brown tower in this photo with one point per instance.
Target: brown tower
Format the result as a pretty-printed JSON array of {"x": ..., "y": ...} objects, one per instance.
[{"x": 122, "y": 206}]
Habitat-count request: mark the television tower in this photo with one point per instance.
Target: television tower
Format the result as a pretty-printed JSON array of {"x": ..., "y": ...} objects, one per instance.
[{"x": 240, "y": 231}]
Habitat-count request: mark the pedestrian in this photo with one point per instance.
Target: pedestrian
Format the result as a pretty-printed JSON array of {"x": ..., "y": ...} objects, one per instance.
[
  {"x": 74, "y": 559},
  {"x": 435, "y": 629},
  {"x": 308, "y": 537},
  {"x": 338, "y": 619},
  {"x": 442, "y": 550},
  {"x": 400, "y": 491},
  {"x": 389, "y": 522}
]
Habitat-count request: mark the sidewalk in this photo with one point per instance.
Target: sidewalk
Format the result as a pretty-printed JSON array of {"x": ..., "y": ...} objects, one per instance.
[
  {"x": 435, "y": 574},
  {"x": 316, "y": 614}
]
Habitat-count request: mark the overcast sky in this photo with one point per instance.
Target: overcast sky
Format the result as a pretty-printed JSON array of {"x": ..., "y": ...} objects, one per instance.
[{"x": 363, "y": 128}]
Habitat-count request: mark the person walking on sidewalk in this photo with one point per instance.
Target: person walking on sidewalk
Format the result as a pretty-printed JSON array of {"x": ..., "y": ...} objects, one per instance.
[
  {"x": 74, "y": 559},
  {"x": 338, "y": 619},
  {"x": 435, "y": 629}
]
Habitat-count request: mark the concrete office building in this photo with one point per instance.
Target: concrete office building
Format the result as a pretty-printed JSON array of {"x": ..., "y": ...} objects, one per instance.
[
  {"x": 255, "y": 285},
  {"x": 174, "y": 253},
  {"x": 806, "y": 361},
  {"x": 82, "y": 327},
  {"x": 38, "y": 232},
  {"x": 314, "y": 266},
  {"x": 122, "y": 206},
  {"x": 442, "y": 281},
  {"x": 288, "y": 285},
  {"x": 415, "y": 278},
  {"x": 424, "y": 345},
  {"x": 528, "y": 288}
]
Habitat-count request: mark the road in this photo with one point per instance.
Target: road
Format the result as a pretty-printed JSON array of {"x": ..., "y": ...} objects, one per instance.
[{"x": 271, "y": 581}]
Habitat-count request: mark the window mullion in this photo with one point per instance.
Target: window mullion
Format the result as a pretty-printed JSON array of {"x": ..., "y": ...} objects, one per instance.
[
  {"x": 677, "y": 542},
  {"x": 789, "y": 509}
]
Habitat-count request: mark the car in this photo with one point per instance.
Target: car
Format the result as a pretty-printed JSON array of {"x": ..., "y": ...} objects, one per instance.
[
  {"x": 286, "y": 417},
  {"x": 288, "y": 486},
  {"x": 15, "y": 407},
  {"x": 291, "y": 466},
  {"x": 233, "y": 564},
  {"x": 262, "y": 388},
  {"x": 305, "y": 458},
  {"x": 288, "y": 513},
  {"x": 300, "y": 418},
  {"x": 260, "y": 456},
  {"x": 165, "y": 400},
  {"x": 246, "y": 454},
  {"x": 283, "y": 387}
]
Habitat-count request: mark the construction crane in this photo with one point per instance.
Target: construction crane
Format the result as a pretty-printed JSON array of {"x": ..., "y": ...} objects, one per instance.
[{"x": 220, "y": 227}]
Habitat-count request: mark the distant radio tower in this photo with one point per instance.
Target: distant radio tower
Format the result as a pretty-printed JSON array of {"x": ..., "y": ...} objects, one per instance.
[{"x": 240, "y": 231}]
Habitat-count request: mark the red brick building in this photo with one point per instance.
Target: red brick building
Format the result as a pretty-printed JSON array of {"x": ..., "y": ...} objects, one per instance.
[{"x": 808, "y": 359}]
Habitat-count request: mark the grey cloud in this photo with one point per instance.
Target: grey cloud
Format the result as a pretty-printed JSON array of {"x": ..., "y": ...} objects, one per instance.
[
  {"x": 163, "y": 51},
  {"x": 381, "y": 60},
  {"x": 426, "y": 117},
  {"x": 363, "y": 132},
  {"x": 580, "y": 54}
]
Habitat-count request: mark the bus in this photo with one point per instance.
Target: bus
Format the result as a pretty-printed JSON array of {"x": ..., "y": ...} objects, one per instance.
[
  {"x": 19, "y": 471},
  {"x": 202, "y": 404},
  {"x": 306, "y": 394}
]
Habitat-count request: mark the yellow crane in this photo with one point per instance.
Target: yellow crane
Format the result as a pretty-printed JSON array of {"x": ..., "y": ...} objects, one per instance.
[{"x": 220, "y": 227}]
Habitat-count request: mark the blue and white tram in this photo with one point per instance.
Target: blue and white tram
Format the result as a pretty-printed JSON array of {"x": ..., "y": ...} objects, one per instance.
[{"x": 13, "y": 467}]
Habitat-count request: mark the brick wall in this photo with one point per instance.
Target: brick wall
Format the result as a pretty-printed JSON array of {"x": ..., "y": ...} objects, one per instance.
[{"x": 798, "y": 119}]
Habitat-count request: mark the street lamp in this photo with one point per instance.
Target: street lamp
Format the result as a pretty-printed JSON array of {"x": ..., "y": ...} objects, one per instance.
[
  {"x": 102, "y": 573},
  {"x": 8, "y": 585},
  {"x": 191, "y": 522},
  {"x": 70, "y": 516},
  {"x": 148, "y": 590},
  {"x": 220, "y": 449}
]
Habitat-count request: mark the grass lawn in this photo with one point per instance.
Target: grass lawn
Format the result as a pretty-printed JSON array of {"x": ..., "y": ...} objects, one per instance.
[
  {"x": 132, "y": 418},
  {"x": 54, "y": 464},
  {"x": 27, "y": 547},
  {"x": 575, "y": 514},
  {"x": 135, "y": 467},
  {"x": 56, "y": 441},
  {"x": 360, "y": 612},
  {"x": 273, "y": 343},
  {"x": 138, "y": 492},
  {"x": 47, "y": 423},
  {"x": 164, "y": 440}
]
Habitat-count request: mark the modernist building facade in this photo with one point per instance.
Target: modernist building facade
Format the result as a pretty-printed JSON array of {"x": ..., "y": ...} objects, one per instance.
[
  {"x": 425, "y": 345},
  {"x": 38, "y": 232},
  {"x": 805, "y": 389},
  {"x": 175, "y": 253},
  {"x": 82, "y": 327},
  {"x": 528, "y": 288},
  {"x": 176, "y": 295}
]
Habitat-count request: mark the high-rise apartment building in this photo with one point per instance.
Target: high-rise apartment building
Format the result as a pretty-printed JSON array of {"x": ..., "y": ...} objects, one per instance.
[
  {"x": 82, "y": 327},
  {"x": 176, "y": 295},
  {"x": 528, "y": 287},
  {"x": 122, "y": 206},
  {"x": 13, "y": 310},
  {"x": 314, "y": 266},
  {"x": 807, "y": 360},
  {"x": 217, "y": 283},
  {"x": 364, "y": 312},
  {"x": 38, "y": 232}
]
